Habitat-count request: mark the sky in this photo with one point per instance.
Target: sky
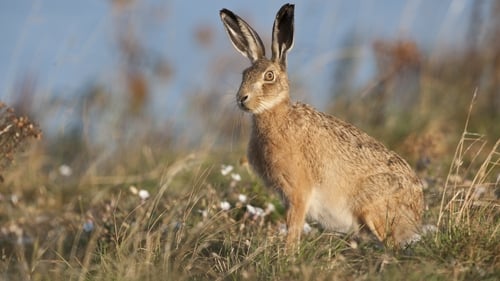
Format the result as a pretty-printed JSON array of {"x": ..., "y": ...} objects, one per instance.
[{"x": 66, "y": 45}]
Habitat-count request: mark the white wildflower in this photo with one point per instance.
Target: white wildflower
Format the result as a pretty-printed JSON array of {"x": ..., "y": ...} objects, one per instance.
[
  {"x": 143, "y": 194},
  {"x": 270, "y": 208},
  {"x": 226, "y": 169},
  {"x": 204, "y": 213},
  {"x": 353, "y": 244},
  {"x": 236, "y": 177},
  {"x": 242, "y": 198},
  {"x": 14, "y": 199},
  {"x": 260, "y": 212},
  {"x": 256, "y": 211},
  {"x": 251, "y": 209},
  {"x": 65, "y": 170},
  {"x": 307, "y": 228},
  {"x": 225, "y": 206}
]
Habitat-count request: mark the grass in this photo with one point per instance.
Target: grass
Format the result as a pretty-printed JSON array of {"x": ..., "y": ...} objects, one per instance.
[{"x": 88, "y": 227}]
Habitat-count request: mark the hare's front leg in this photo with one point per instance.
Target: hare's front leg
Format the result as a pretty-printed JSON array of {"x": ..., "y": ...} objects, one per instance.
[{"x": 298, "y": 202}]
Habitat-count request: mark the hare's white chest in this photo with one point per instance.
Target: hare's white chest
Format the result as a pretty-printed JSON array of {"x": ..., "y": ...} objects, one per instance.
[{"x": 332, "y": 212}]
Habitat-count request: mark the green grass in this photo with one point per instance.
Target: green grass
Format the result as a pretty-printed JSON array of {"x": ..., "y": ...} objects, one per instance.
[{"x": 181, "y": 233}]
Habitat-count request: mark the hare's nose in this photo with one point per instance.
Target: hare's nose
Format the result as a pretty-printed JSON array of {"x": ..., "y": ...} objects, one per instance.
[
  {"x": 243, "y": 98},
  {"x": 241, "y": 101}
]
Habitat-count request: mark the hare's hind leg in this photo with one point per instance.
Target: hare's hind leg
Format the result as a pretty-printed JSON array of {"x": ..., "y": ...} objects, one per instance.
[{"x": 389, "y": 210}]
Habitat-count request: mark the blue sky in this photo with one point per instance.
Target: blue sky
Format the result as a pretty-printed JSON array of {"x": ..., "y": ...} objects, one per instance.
[{"x": 68, "y": 44}]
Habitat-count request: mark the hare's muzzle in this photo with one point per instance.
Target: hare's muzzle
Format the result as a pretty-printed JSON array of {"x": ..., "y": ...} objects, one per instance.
[{"x": 241, "y": 100}]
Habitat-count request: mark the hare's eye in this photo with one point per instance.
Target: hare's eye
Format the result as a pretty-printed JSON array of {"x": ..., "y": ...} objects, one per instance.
[{"x": 269, "y": 76}]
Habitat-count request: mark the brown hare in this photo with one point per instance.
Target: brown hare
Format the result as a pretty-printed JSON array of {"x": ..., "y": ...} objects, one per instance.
[{"x": 325, "y": 168}]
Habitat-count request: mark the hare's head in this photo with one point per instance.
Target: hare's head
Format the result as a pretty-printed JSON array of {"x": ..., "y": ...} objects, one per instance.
[{"x": 265, "y": 83}]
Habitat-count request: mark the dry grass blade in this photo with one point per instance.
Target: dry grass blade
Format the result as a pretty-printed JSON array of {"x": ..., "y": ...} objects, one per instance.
[
  {"x": 488, "y": 165},
  {"x": 169, "y": 175},
  {"x": 464, "y": 193},
  {"x": 248, "y": 259},
  {"x": 456, "y": 162}
]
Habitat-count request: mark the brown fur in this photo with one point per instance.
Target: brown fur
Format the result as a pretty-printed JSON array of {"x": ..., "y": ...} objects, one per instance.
[{"x": 326, "y": 169}]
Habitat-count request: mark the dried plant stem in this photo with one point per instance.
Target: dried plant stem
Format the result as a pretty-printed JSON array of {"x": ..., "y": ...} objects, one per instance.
[
  {"x": 479, "y": 178},
  {"x": 456, "y": 163},
  {"x": 458, "y": 207}
]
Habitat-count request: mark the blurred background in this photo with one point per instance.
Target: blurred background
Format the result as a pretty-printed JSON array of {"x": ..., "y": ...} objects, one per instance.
[{"x": 104, "y": 79}]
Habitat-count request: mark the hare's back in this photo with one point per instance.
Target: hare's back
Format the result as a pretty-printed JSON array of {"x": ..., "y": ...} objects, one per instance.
[{"x": 341, "y": 145}]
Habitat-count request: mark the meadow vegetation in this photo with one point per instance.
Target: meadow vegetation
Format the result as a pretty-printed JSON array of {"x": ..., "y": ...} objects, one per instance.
[{"x": 153, "y": 208}]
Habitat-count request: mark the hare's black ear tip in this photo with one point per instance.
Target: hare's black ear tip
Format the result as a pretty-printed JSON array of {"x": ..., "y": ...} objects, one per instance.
[
  {"x": 287, "y": 9},
  {"x": 225, "y": 12}
]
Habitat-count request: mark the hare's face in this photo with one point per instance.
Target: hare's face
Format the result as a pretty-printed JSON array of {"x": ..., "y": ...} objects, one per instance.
[{"x": 264, "y": 85}]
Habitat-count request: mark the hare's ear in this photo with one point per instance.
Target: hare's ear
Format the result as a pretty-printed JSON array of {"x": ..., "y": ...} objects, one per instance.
[
  {"x": 283, "y": 34},
  {"x": 243, "y": 37}
]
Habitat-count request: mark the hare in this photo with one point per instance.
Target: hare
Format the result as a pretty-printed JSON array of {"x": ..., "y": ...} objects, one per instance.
[{"x": 326, "y": 169}]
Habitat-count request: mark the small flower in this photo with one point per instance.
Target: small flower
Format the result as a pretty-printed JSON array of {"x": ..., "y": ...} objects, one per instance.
[
  {"x": 251, "y": 209},
  {"x": 256, "y": 211},
  {"x": 225, "y": 206},
  {"x": 143, "y": 194},
  {"x": 226, "y": 169},
  {"x": 353, "y": 244},
  {"x": 236, "y": 177},
  {"x": 270, "y": 208},
  {"x": 65, "y": 170},
  {"x": 14, "y": 199},
  {"x": 88, "y": 226},
  {"x": 204, "y": 213},
  {"x": 307, "y": 228},
  {"x": 242, "y": 198}
]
